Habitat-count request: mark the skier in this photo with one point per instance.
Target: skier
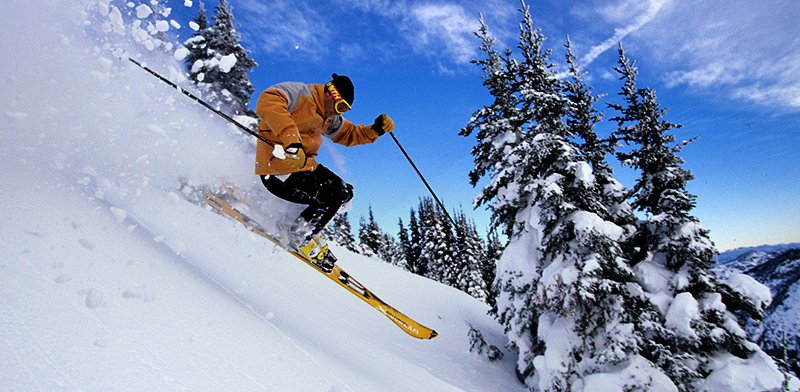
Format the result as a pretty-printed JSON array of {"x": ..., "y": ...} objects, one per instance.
[{"x": 293, "y": 117}]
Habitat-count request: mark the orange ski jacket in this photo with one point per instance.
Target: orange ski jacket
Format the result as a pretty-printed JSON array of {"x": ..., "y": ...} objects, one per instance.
[{"x": 294, "y": 112}]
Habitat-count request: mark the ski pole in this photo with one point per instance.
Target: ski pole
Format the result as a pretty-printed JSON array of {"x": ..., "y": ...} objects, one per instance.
[
  {"x": 403, "y": 150},
  {"x": 200, "y": 101}
]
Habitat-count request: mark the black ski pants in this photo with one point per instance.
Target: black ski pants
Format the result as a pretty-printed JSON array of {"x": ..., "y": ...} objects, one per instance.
[{"x": 322, "y": 190}]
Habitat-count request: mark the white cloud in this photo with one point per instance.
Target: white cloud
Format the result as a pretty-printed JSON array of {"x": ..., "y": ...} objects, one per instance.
[
  {"x": 633, "y": 13},
  {"x": 444, "y": 70},
  {"x": 446, "y": 28},
  {"x": 717, "y": 72},
  {"x": 442, "y": 31},
  {"x": 782, "y": 96},
  {"x": 351, "y": 52},
  {"x": 741, "y": 49},
  {"x": 285, "y": 27},
  {"x": 744, "y": 49}
]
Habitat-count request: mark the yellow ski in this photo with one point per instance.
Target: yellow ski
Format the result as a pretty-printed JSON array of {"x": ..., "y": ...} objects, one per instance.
[{"x": 338, "y": 275}]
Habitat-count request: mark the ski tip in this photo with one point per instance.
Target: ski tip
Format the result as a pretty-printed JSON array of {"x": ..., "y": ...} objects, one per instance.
[{"x": 432, "y": 334}]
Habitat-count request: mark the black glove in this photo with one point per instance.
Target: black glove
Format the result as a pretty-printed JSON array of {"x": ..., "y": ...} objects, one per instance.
[{"x": 383, "y": 124}]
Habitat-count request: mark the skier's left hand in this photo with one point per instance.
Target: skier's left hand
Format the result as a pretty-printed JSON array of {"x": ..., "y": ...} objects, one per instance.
[
  {"x": 296, "y": 156},
  {"x": 383, "y": 124}
]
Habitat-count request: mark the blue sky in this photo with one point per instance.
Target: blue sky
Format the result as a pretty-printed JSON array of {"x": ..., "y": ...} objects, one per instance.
[{"x": 728, "y": 72}]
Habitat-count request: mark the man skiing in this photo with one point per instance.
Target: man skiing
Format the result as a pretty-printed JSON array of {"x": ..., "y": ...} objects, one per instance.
[{"x": 293, "y": 117}]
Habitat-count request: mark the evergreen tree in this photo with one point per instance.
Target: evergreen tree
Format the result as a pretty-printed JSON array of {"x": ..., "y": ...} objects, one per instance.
[
  {"x": 696, "y": 332},
  {"x": 437, "y": 240},
  {"x": 543, "y": 104},
  {"x": 197, "y": 45},
  {"x": 500, "y": 133},
  {"x": 413, "y": 261},
  {"x": 201, "y": 20},
  {"x": 392, "y": 252},
  {"x": 370, "y": 236},
  {"x": 469, "y": 253},
  {"x": 405, "y": 243},
  {"x": 342, "y": 233},
  {"x": 376, "y": 243},
  {"x": 221, "y": 71},
  {"x": 494, "y": 249},
  {"x": 582, "y": 117}
]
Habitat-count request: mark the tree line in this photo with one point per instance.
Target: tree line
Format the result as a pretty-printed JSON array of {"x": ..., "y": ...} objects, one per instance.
[{"x": 428, "y": 245}]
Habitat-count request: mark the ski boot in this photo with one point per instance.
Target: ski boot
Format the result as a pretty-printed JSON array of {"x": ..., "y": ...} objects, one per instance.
[{"x": 316, "y": 251}]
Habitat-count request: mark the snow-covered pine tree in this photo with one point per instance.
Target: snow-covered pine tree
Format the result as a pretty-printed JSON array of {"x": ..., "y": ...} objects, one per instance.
[
  {"x": 696, "y": 340},
  {"x": 370, "y": 236},
  {"x": 567, "y": 296},
  {"x": 201, "y": 20},
  {"x": 405, "y": 243},
  {"x": 342, "y": 233},
  {"x": 582, "y": 117},
  {"x": 392, "y": 252},
  {"x": 436, "y": 242},
  {"x": 197, "y": 45},
  {"x": 221, "y": 71},
  {"x": 499, "y": 134},
  {"x": 375, "y": 242},
  {"x": 494, "y": 249},
  {"x": 414, "y": 248},
  {"x": 479, "y": 345},
  {"x": 469, "y": 252}
]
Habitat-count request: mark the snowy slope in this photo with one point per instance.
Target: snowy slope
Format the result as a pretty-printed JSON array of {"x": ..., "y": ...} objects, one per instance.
[
  {"x": 779, "y": 333},
  {"x": 777, "y": 267},
  {"x": 111, "y": 280}
]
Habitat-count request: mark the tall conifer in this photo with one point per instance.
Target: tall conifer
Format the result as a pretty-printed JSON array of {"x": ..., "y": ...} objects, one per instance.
[
  {"x": 696, "y": 333},
  {"x": 469, "y": 253}
]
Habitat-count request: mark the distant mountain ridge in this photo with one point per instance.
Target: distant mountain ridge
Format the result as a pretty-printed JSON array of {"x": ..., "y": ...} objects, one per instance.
[
  {"x": 777, "y": 267},
  {"x": 734, "y": 254}
]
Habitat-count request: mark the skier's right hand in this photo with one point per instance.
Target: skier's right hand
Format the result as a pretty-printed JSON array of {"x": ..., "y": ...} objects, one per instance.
[
  {"x": 383, "y": 124},
  {"x": 296, "y": 156}
]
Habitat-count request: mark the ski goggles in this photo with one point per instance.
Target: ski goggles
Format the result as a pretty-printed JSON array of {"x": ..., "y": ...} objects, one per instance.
[{"x": 339, "y": 104}]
